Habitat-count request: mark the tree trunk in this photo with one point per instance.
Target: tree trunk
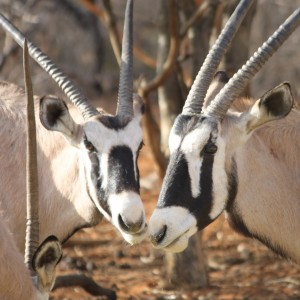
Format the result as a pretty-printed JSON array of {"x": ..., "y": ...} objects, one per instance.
[
  {"x": 186, "y": 268},
  {"x": 170, "y": 98}
]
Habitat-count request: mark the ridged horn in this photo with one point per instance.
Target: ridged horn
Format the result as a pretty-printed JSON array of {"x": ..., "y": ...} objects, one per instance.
[
  {"x": 196, "y": 96},
  {"x": 238, "y": 82},
  {"x": 32, "y": 191},
  {"x": 125, "y": 94},
  {"x": 67, "y": 85}
]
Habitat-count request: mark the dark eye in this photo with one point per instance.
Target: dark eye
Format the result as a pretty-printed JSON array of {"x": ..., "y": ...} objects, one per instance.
[
  {"x": 210, "y": 148},
  {"x": 141, "y": 146},
  {"x": 89, "y": 146}
]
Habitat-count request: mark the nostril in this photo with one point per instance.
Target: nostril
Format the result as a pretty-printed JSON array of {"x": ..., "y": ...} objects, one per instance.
[
  {"x": 159, "y": 236},
  {"x": 129, "y": 226}
]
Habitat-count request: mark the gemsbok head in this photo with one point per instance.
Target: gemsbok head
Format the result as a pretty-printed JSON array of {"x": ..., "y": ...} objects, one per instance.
[
  {"x": 226, "y": 156},
  {"x": 86, "y": 170}
]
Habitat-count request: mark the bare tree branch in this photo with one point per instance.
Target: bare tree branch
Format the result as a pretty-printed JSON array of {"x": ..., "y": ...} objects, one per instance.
[
  {"x": 202, "y": 9},
  {"x": 144, "y": 58},
  {"x": 112, "y": 29},
  {"x": 107, "y": 18}
]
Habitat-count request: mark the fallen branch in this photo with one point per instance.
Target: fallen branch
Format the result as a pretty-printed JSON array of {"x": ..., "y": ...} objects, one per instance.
[{"x": 87, "y": 283}]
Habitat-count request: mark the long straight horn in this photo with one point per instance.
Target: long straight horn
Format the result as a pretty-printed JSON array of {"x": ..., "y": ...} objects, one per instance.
[
  {"x": 125, "y": 95},
  {"x": 196, "y": 96},
  {"x": 67, "y": 86},
  {"x": 238, "y": 82},
  {"x": 32, "y": 191}
]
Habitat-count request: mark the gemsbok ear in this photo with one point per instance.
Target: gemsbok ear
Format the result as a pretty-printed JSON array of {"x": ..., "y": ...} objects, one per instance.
[
  {"x": 218, "y": 82},
  {"x": 274, "y": 104},
  {"x": 55, "y": 116},
  {"x": 44, "y": 261}
]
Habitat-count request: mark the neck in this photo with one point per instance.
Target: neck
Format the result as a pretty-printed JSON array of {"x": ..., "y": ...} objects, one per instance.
[
  {"x": 67, "y": 197},
  {"x": 65, "y": 205},
  {"x": 266, "y": 204}
]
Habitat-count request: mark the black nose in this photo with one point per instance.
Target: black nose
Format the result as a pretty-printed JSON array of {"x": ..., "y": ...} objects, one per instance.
[
  {"x": 131, "y": 227},
  {"x": 158, "y": 237}
]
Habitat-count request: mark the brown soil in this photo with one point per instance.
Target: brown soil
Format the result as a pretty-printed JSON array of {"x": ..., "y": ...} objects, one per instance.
[{"x": 238, "y": 268}]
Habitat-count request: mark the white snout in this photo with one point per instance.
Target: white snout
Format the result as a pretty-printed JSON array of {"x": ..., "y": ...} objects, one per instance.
[
  {"x": 128, "y": 215},
  {"x": 171, "y": 227}
]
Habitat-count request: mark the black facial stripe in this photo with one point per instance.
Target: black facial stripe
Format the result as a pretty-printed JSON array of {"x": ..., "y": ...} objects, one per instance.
[
  {"x": 97, "y": 182},
  {"x": 205, "y": 197},
  {"x": 136, "y": 164},
  {"x": 232, "y": 184},
  {"x": 121, "y": 171},
  {"x": 113, "y": 122},
  {"x": 177, "y": 190}
]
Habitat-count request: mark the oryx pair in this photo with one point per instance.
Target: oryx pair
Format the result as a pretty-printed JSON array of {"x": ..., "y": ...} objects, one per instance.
[{"x": 91, "y": 169}]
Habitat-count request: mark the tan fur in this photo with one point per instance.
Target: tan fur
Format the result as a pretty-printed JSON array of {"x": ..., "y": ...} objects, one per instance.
[
  {"x": 64, "y": 202},
  {"x": 15, "y": 283},
  {"x": 268, "y": 167}
]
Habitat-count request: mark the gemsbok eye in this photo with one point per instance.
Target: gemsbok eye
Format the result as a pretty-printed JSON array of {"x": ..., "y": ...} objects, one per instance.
[
  {"x": 141, "y": 146},
  {"x": 210, "y": 148},
  {"x": 89, "y": 146}
]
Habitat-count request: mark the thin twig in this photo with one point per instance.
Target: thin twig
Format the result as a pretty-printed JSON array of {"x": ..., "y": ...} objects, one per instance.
[
  {"x": 107, "y": 18},
  {"x": 113, "y": 31},
  {"x": 144, "y": 57},
  {"x": 202, "y": 9}
]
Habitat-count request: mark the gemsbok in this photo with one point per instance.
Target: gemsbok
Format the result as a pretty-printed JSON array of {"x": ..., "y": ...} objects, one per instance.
[
  {"x": 33, "y": 279},
  {"x": 226, "y": 156},
  {"x": 86, "y": 170}
]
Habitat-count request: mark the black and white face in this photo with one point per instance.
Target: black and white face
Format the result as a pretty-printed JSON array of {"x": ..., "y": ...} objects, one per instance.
[
  {"x": 194, "y": 190},
  {"x": 110, "y": 154},
  {"x": 109, "y": 148}
]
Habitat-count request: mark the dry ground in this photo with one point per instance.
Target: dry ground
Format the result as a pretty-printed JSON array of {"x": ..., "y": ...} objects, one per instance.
[{"x": 238, "y": 268}]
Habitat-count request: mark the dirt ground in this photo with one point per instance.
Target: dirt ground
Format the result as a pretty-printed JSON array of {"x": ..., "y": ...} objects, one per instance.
[{"x": 238, "y": 268}]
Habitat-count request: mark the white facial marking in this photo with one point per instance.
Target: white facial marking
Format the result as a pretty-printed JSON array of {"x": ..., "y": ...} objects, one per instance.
[
  {"x": 191, "y": 147},
  {"x": 104, "y": 139},
  {"x": 180, "y": 226},
  {"x": 130, "y": 207},
  {"x": 220, "y": 183},
  {"x": 174, "y": 141}
]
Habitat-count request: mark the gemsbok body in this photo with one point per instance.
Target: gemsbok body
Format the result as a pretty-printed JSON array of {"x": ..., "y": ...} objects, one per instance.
[
  {"x": 229, "y": 157},
  {"x": 86, "y": 169},
  {"x": 16, "y": 282}
]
